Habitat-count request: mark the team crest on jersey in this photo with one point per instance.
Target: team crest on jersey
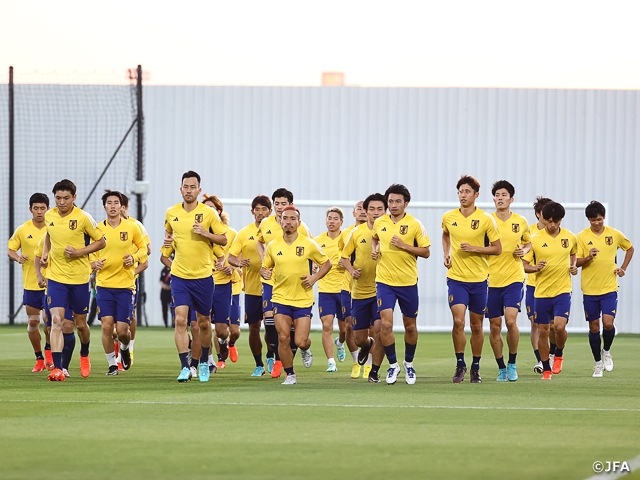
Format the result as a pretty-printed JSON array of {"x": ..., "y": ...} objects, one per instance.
[
  {"x": 199, "y": 217},
  {"x": 475, "y": 224},
  {"x": 73, "y": 224},
  {"x": 608, "y": 240},
  {"x": 404, "y": 229},
  {"x": 564, "y": 242},
  {"x": 515, "y": 227},
  {"x": 124, "y": 236},
  {"x": 299, "y": 251}
]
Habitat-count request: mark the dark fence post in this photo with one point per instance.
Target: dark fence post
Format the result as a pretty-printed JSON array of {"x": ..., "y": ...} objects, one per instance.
[
  {"x": 140, "y": 176},
  {"x": 12, "y": 227}
]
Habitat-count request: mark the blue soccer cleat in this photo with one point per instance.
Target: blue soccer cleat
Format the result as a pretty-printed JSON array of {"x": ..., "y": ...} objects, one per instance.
[
  {"x": 203, "y": 372},
  {"x": 185, "y": 375},
  {"x": 258, "y": 372},
  {"x": 512, "y": 373},
  {"x": 502, "y": 375}
]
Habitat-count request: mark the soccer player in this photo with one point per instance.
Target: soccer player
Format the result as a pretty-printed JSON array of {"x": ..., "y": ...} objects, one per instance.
[
  {"x": 329, "y": 304},
  {"x": 69, "y": 230},
  {"x": 269, "y": 230},
  {"x": 597, "y": 249},
  {"x": 357, "y": 260},
  {"x": 25, "y": 239},
  {"x": 553, "y": 250},
  {"x": 288, "y": 262},
  {"x": 115, "y": 278},
  {"x": 194, "y": 228},
  {"x": 506, "y": 277},
  {"x": 469, "y": 235},
  {"x": 244, "y": 253},
  {"x": 398, "y": 240},
  {"x": 531, "y": 287}
]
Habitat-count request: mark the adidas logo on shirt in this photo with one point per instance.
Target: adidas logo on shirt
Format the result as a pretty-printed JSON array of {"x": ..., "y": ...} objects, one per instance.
[
  {"x": 384, "y": 229},
  {"x": 279, "y": 254},
  {"x": 268, "y": 232},
  {"x": 51, "y": 224},
  {"x": 175, "y": 219},
  {"x": 323, "y": 245},
  {"x": 251, "y": 237},
  {"x": 363, "y": 240},
  {"x": 544, "y": 245},
  {"x": 29, "y": 236},
  {"x": 454, "y": 224},
  {"x": 590, "y": 243}
]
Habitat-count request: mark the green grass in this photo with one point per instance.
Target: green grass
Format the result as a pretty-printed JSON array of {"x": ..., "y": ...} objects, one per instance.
[{"x": 143, "y": 424}]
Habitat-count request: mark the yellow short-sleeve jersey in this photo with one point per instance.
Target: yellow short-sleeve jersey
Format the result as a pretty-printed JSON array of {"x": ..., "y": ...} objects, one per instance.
[
  {"x": 397, "y": 267},
  {"x": 219, "y": 277},
  {"x": 236, "y": 282},
  {"x": 358, "y": 250},
  {"x": 289, "y": 263},
  {"x": 125, "y": 239},
  {"x": 346, "y": 276},
  {"x": 245, "y": 246},
  {"x": 76, "y": 229},
  {"x": 555, "y": 278},
  {"x": 332, "y": 247},
  {"x": 478, "y": 229},
  {"x": 507, "y": 268},
  {"x": 531, "y": 277},
  {"x": 599, "y": 275},
  {"x": 25, "y": 239},
  {"x": 37, "y": 252},
  {"x": 193, "y": 257}
]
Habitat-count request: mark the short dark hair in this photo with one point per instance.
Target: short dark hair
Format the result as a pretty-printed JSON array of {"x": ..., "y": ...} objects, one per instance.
[
  {"x": 261, "y": 200},
  {"x": 64, "y": 186},
  {"x": 594, "y": 209},
  {"x": 282, "y": 193},
  {"x": 111, "y": 193},
  {"x": 468, "y": 180},
  {"x": 374, "y": 197},
  {"x": 398, "y": 189},
  {"x": 125, "y": 200},
  {"x": 38, "y": 198},
  {"x": 553, "y": 211},
  {"x": 539, "y": 204},
  {"x": 190, "y": 174},
  {"x": 503, "y": 184}
]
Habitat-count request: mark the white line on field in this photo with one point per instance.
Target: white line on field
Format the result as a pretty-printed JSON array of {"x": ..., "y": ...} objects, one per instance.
[{"x": 634, "y": 465}]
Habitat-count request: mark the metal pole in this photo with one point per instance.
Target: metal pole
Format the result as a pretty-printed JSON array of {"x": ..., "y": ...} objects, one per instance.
[
  {"x": 12, "y": 287},
  {"x": 140, "y": 176}
]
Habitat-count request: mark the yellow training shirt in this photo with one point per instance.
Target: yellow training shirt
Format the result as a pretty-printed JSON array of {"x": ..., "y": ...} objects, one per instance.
[
  {"x": 77, "y": 229},
  {"x": 37, "y": 252},
  {"x": 25, "y": 239},
  {"x": 193, "y": 252},
  {"x": 507, "y": 268},
  {"x": 245, "y": 246},
  {"x": 531, "y": 277},
  {"x": 346, "y": 276},
  {"x": 555, "y": 278},
  {"x": 358, "y": 251},
  {"x": 332, "y": 247},
  {"x": 289, "y": 263},
  {"x": 219, "y": 277},
  {"x": 478, "y": 229},
  {"x": 598, "y": 276},
  {"x": 397, "y": 267}
]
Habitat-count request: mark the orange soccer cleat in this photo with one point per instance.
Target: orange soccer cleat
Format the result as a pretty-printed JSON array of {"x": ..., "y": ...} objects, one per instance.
[
  {"x": 557, "y": 365},
  {"x": 546, "y": 375},
  {"x": 48, "y": 359},
  {"x": 40, "y": 366},
  {"x": 233, "y": 353},
  {"x": 221, "y": 364},
  {"x": 120, "y": 367},
  {"x": 277, "y": 369},
  {"x": 56, "y": 376},
  {"x": 85, "y": 366}
]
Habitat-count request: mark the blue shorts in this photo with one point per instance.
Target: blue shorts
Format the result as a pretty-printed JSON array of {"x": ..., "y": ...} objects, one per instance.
[
  {"x": 345, "y": 301},
  {"x": 116, "y": 303},
  {"x": 76, "y": 297},
  {"x": 252, "y": 308},
  {"x": 293, "y": 312},
  {"x": 193, "y": 292},
  {"x": 34, "y": 299},
  {"x": 549, "y": 308},
  {"x": 500, "y": 298},
  {"x": 531, "y": 300},
  {"x": 234, "y": 316},
  {"x": 471, "y": 294},
  {"x": 407, "y": 298},
  {"x": 267, "y": 293},
  {"x": 136, "y": 292},
  {"x": 364, "y": 311},
  {"x": 594, "y": 305},
  {"x": 221, "y": 305},
  {"x": 330, "y": 304}
]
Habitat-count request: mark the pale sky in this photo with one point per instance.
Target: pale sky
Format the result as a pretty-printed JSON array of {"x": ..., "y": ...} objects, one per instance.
[{"x": 542, "y": 44}]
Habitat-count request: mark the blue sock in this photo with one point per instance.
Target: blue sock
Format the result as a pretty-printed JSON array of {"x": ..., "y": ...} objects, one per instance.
[
  {"x": 67, "y": 350},
  {"x": 184, "y": 362},
  {"x": 375, "y": 368},
  {"x": 595, "y": 344},
  {"x": 204, "y": 355},
  {"x": 194, "y": 362},
  {"x": 258, "y": 359},
  {"x": 57, "y": 359},
  {"x": 39, "y": 355},
  {"x": 460, "y": 360},
  {"x": 475, "y": 364},
  {"x": 84, "y": 349},
  {"x": 607, "y": 337},
  {"x": 289, "y": 371},
  {"x": 552, "y": 349},
  {"x": 559, "y": 351},
  {"x": 499, "y": 361},
  {"x": 390, "y": 352},
  {"x": 512, "y": 358},
  {"x": 409, "y": 352},
  {"x": 546, "y": 366},
  {"x": 537, "y": 354}
]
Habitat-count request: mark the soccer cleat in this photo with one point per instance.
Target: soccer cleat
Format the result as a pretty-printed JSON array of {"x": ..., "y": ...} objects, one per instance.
[
  {"x": 48, "y": 358},
  {"x": 557, "y": 365},
  {"x": 213, "y": 368},
  {"x": 113, "y": 371},
  {"x": 355, "y": 370},
  {"x": 258, "y": 372},
  {"x": 546, "y": 375},
  {"x": 185, "y": 375},
  {"x": 233, "y": 354},
  {"x": 392, "y": 374},
  {"x": 607, "y": 360},
  {"x": 131, "y": 355},
  {"x": 475, "y": 376},
  {"x": 56, "y": 376},
  {"x": 120, "y": 367},
  {"x": 224, "y": 350},
  {"x": 331, "y": 367},
  {"x": 65, "y": 372},
  {"x": 189, "y": 357},
  {"x": 502, "y": 375},
  {"x": 270, "y": 362},
  {"x": 538, "y": 368},
  {"x": 290, "y": 380},
  {"x": 341, "y": 353},
  {"x": 458, "y": 377},
  {"x": 551, "y": 357},
  {"x": 126, "y": 359},
  {"x": 363, "y": 354},
  {"x": 203, "y": 372},
  {"x": 409, "y": 373},
  {"x": 307, "y": 357},
  {"x": 512, "y": 373},
  {"x": 373, "y": 377},
  {"x": 598, "y": 370},
  {"x": 277, "y": 369},
  {"x": 194, "y": 371},
  {"x": 221, "y": 364},
  {"x": 39, "y": 366},
  {"x": 85, "y": 366},
  {"x": 365, "y": 371}
]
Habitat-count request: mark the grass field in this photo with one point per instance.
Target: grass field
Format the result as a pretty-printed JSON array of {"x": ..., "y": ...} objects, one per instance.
[{"x": 143, "y": 424}]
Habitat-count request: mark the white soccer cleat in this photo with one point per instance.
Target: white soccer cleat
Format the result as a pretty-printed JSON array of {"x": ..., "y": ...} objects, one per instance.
[
  {"x": 392, "y": 374},
  {"x": 331, "y": 367},
  {"x": 608, "y": 360},
  {"x": 66, "y": 373},
  {"x": 290, "y": 380},
  {"x": 307, "y": 357},
  {"x": 194, "y": 372},
  {"x": 598, "y": 370},
  {"x": 538, "y": 368},
  {"x": 409, "y": 373}
]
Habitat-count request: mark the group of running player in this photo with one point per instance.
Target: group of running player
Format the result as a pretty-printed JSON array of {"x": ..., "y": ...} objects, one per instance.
[{"x": 362, "y": 272}]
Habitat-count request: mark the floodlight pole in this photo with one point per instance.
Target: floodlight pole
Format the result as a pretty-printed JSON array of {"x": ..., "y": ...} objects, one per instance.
[{"x": 12, "y": 287}]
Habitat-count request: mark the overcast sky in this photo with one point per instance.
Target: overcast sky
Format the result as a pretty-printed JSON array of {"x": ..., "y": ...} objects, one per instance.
[{"x": 546, "y": 44}]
